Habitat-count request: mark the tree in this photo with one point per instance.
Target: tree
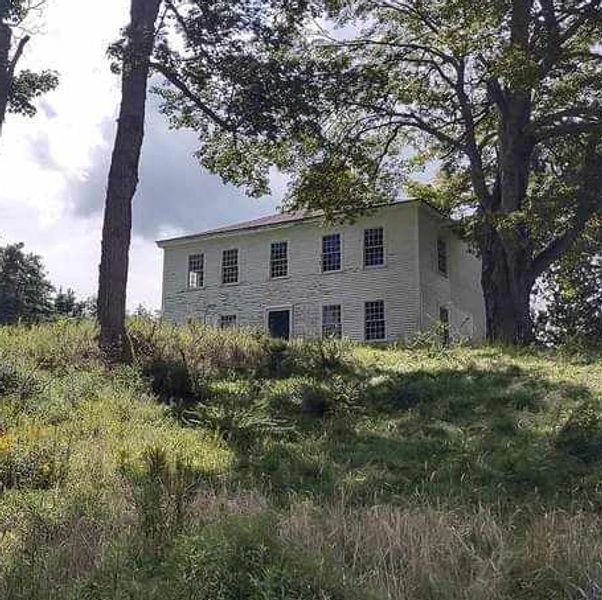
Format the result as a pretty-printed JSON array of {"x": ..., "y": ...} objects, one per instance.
[
  {"x": 226, "y": 51},
  {"x": 505, "y": 95},
  {"x": 123, "y": 178},
  {"x": 571, "y": 293},
  {"x": 19, "y": 89},
  {"x": 25, "y": 293},
  {"x": 66, "y": 304}
]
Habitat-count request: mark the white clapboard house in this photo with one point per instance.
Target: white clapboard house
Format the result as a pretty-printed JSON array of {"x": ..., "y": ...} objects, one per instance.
[{"x": 390, "y": 274}]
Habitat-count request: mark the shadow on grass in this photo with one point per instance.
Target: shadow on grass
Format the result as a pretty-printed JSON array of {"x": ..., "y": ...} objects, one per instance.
[{"x": 457, "y": 434}]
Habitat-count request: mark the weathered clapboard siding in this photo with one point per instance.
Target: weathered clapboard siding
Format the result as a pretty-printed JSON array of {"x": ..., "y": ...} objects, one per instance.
[
  {"x": 460, "y": 292},
  {"x": 306, "y": 289}
]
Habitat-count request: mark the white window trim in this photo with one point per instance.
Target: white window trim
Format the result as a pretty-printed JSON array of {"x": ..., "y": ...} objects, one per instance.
[
  {"x": 384, "y": 263},
  {"x": 385, "y": 316},
  {"x": 288, "y": 259},
  {"x": 334, "y": 303},
  {"x": 238, "y": 264},
  {"x": 321, "y": 263},
  {"x": 198, "y": 287},
  {"x": 222, "y": 315}
]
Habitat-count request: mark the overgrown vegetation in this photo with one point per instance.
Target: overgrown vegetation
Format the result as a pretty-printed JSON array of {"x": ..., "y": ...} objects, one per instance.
[{"x": 226, "y": 465}]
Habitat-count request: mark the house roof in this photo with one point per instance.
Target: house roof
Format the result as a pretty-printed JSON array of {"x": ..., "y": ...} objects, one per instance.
[{"x": 260, "y": 223}]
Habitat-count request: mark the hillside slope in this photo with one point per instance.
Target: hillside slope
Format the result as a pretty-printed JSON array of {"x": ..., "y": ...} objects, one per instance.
[{"x": 224, "y": 465}]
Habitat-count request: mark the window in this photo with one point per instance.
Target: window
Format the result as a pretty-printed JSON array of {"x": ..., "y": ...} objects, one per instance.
[
  {"x": 444, "y": 323},
  {"x": 442, "y": 256},
  {"x": 227, "y": 321},
  {"x": 331, "y": 321},
  {"x": 331, "y": 252},
  {"x": 374, "y": 247},
  {"x": 374, "y": 320},
  {"x": 230, "y": 266},
  {"x": 279, "y": 259},
  {"x": 196, "y": 271}
]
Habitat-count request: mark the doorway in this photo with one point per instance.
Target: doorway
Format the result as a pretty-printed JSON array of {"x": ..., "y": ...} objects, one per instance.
[{"x": 279, "y": 323}]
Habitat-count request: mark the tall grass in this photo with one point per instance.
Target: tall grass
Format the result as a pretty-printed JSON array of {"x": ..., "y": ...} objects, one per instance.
[{"x": 225, "y": 465}]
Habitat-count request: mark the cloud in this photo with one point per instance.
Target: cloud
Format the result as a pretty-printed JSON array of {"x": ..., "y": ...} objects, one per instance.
[{"x": 54, "y": 167}]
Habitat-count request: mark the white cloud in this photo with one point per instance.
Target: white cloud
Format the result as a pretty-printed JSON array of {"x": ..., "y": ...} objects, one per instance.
[{"x": 53, "y": 168}]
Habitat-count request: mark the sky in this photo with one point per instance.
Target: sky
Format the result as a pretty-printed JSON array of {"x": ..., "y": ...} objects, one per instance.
[{"x": 53, "y": 168}]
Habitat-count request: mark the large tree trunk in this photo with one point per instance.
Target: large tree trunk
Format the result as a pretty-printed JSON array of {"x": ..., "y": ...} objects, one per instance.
[
  {"x": 5, "y": 79},
  {"x": 507, "y": 285},
  {"x": 123, "y": 180}
]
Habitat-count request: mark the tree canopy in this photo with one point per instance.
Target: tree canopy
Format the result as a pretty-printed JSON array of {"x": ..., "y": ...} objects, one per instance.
[
  {"x": 504, "y": 97},
  {"x": 18, "y": 89}
]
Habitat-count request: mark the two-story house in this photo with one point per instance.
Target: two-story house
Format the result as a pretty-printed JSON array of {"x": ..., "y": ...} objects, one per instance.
[{"x": 388, "y": 275}]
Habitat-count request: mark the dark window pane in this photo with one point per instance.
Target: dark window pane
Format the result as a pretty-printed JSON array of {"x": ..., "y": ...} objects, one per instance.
[
  {"x": 279, "y": 259},
  {"x": 195, "y": 271},
  {"x": 331, "y": 321},
  {"x": 374, "y": 247},
  {"x": 442, "y": 257},
  {"x": 230, "y": 266},
  {"x": 444, "y": 320},
  {"x": 331, "y": 252},
  {"x": 374, "y": 320},
  {"x": 227, "y": 321}
]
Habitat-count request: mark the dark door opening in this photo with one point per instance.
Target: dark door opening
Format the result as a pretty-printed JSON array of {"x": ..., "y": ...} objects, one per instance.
[{"x": 279, "y": 323}]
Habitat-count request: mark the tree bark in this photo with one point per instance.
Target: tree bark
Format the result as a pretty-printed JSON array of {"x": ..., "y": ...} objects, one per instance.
[
  {"x": 123, "y": 180},
  {"x": 5, "y": 79}
]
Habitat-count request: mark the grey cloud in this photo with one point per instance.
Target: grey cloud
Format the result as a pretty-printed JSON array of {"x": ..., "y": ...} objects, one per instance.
[
  {"x": 41, "y": 152},
  {"x": 174, "y": 192}
]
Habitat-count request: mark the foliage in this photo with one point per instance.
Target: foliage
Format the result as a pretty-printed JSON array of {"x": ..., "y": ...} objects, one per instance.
[
  {"x": 28, "y": 86},
  {"x": 572, "y": 296},
  {"x": 25, "y": 293},
  {"x": 494, "y": 92},
  {"x": 399, "y": 472}
]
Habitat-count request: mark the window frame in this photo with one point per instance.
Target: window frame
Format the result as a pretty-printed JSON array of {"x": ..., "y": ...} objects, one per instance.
[
  {"x": 370, "y": 338},
  {"x": 338, "y": 333},
  {"x": 340, "y": 252},
  {"x": 228, "y": 321},
  {"x": 444, "y": 321},
  {"x": 441, "y": 243},
  {"x": 225, "y": 266},
  {"x": 196, "y": 272},
  {"x": 271, "y": 260},
  {"x": 367, "y": 248}
]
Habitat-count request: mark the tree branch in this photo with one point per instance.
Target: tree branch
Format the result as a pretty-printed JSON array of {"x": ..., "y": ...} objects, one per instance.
[
  {"x": 589, "y": 202},
  {"x": 173, "y": 78}
]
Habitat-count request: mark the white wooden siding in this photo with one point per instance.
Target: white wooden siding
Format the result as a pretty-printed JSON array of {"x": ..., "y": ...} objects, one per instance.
[{"x": 306, "y": 289}]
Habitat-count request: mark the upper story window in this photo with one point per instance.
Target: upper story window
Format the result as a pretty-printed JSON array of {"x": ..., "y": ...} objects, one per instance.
[
  {"x": 331, "y": 321},
  {"x": 374, "y": 320},
  {"x": 230, "y": 266},
  {"x": 279, "y": 259},
  {"x": 196, "y": 271},
  {"x": 374, "y": 247},
  {"x": 227, "y": 321},
  {"x": 442, "y": 256},
  {"x": 331, "y": 252}
]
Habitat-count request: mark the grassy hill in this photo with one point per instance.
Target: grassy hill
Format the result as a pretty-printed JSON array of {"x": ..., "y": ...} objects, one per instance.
[{"x": 223, "y": 465}]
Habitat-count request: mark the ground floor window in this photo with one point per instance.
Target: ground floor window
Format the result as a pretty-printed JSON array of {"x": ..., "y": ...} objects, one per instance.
[
  {"x": 227, "y": 321},
  {"x": 444, "y": 323},
  {"x": 374, "y": 315},
  {"x": 331, "y": 321}
]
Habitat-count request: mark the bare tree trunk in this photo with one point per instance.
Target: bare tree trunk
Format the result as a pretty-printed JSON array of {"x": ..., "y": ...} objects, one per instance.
[
  {"x": 123, "y": 180},
  {"x": 507, "y": 288},
  {"x": 5, "y": 80}
]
